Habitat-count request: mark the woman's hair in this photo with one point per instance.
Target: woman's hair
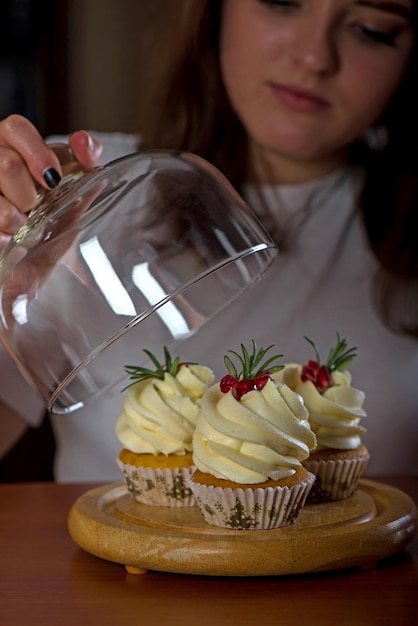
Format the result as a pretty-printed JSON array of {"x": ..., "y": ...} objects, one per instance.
[
  {"x": 187, "y": 108},
  {"x": 389, "y": 204}
]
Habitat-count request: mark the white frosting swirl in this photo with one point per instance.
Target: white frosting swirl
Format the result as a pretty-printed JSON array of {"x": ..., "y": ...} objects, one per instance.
[
  {"x": 159, "y": 416},
  {"x": 263, "y": 435},
  {"x": 334, "y": 415}
]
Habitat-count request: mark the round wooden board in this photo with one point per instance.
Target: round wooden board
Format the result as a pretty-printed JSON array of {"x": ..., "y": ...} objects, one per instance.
[{"x": 377, "y": 521}]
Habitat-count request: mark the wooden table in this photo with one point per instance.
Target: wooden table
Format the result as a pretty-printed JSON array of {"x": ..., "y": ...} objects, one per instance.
[{"x": 45, "y": 578}]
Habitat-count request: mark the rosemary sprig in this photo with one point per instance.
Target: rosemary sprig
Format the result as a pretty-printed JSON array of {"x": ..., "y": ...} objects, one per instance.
[
  {"x": 138, "y": 373},
  {"x": 339, "y": 356},
  {"x": 251, "y": 364}
]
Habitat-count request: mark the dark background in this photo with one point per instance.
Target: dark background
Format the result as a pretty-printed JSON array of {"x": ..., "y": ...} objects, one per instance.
[
  {"x": 31, "y": 81},
  {"x": 70, "y": 64}
]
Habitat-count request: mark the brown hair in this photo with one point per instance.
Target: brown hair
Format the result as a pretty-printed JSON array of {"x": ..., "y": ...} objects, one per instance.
[
  {"x": 389, "y": 205},
  {"x": 187, "y": 108}
]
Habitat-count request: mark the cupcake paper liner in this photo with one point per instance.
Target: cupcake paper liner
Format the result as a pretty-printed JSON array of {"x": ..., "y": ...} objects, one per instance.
[
  {"x": 335, "y": 479},
  {"x": 158, "y": 486},
  {"x": 251, "y": 509}
]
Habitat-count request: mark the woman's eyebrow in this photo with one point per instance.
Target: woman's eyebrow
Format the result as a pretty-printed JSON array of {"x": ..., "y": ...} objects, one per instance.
[{"x": 404, "y": 9}]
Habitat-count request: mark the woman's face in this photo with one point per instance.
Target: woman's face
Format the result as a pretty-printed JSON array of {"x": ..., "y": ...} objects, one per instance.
[{"x": 307, "y": 77}]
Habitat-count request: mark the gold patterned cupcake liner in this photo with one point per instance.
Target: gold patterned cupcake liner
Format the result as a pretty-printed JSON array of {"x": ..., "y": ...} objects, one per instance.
[
  {"x": 251, "y": 509},
  {"x": 158, "y": 486},
  {"x": 335, "y": 479}
]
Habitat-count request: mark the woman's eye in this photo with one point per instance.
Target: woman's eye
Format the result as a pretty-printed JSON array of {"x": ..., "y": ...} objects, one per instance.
[
  {"x": 373, "y": 36},
  {"x": 280, "y": 4}
]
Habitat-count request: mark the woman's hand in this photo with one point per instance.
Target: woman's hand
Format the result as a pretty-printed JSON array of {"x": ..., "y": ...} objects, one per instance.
[{"x": 25, "y": 162}]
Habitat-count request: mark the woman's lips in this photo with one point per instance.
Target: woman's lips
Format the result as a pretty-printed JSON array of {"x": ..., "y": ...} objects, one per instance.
[{"x": 299, "y": 99}]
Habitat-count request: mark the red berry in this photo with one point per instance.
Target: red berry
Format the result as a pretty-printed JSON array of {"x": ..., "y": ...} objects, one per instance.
[
  {"x": 310, "y": 371},
  {"x": 228, "y": 382},
  {"x": 323, "y": 379},
  {"x": 317, "y": 374},
  {"x": 313, "y": 365},
  {"x": 244, "y": 386},
  {"x": 261, "y": 380}
]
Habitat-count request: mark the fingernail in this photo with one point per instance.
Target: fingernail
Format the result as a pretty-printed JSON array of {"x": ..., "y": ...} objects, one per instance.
[
  {"x": 52, "y": 178},
  {"x": 90, "y": 142},
  {"x": 94, "y": 148}
]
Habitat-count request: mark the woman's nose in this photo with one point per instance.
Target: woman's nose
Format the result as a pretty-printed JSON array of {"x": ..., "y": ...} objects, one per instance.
[{"x": 316, "y": 50}]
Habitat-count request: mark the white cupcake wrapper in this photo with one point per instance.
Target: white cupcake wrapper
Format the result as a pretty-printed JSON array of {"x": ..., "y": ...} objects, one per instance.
[
  {"x": 251, "y": 509},
  {"x": 335, "y": 479},
  {"x": 158, "y": 486}
]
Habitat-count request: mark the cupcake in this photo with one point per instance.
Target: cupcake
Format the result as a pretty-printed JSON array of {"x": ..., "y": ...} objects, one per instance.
[
  {"x": 156, "y": 427},
  {"x": 252, "y": 434},
  {"x": 335, "y": 412}
]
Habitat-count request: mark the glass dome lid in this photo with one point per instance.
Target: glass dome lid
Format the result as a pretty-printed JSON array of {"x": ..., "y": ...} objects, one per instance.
[{"x": 134, "y": 255}]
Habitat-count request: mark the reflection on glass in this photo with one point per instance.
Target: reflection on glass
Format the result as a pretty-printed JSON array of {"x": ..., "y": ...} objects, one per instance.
[{"x": 137, "y": 254}]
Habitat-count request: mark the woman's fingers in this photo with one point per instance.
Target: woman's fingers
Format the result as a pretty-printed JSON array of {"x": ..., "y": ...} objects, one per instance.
[
  {"x": 27, "y": 163},
  {"x": 86, "y": 148},
  {"x": 19, "y": 135},
  {"x": 10, "y": 221},
  {"x": 17, "y": 185},
  {"x": 10, "y": 218}
]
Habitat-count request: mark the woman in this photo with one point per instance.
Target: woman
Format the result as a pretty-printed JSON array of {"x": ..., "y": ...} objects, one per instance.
[{"x": 307, "y": 108}]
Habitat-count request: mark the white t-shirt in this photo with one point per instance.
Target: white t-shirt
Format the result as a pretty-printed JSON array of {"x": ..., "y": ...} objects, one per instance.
[{"x": 319, "y": 285}]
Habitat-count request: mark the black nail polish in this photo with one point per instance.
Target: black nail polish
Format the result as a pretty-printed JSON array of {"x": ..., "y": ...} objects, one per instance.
[{"x": 52, "y": 178}]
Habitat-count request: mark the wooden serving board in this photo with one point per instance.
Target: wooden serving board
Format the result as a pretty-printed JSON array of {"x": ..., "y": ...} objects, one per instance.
[{"x": 377, "y": 521}]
